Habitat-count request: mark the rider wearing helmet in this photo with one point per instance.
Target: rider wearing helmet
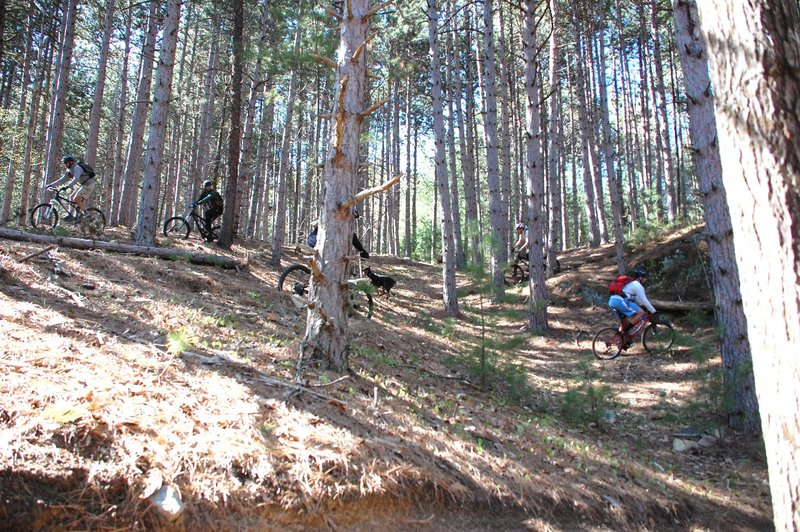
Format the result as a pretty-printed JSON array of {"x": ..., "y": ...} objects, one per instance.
[
  {"x": 212, "y": 199},
  {"x": 75, "y": 175},
  {"x": 521, "y": 245},
  {"x": 633, "y": 298}
]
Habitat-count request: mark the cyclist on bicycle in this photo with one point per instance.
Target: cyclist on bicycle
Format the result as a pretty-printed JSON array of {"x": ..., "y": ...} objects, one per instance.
[
  {"x": 75, "y": 174},
  {"x": 629, "y": 305},
  {"x": 209, "y": 196},
  {"x": 521, "y": 245}
]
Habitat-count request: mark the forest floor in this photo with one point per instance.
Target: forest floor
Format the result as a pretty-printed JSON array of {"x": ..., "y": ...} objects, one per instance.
[{"x": 122, "y": 377}]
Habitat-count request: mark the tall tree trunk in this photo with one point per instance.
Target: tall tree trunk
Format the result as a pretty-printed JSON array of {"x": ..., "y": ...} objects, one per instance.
[
  {"x": 614, "y": 187},
  {"x": 148, "y": 209},
  {"x": 534, "y": 170},
  {"x": 133, "y": 161},
  {"x": 236, "y": 180},
  {"x": 448, "y": 244},
  {"x": 754, "y": 57},
  {"x": 737, "y": 360},
  {"x": 557, "y": 238},
  {"x": 663, "y": 132},
  {"x": 492, "y": 152},
  {"x": 53, "y": 167},
  {"x": 327, "y": 332},
  {"x": 280, "y": 222},
  {"x": 90, "y": 155}
]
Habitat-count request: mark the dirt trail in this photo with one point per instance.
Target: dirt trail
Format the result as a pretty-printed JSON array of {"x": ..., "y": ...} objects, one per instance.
[{"x": 122, "y": 374}]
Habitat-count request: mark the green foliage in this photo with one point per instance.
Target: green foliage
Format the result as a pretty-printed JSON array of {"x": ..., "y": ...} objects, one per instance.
[
  {"x": 178, "y": 342},
  {"x": 589, "y": 401}
]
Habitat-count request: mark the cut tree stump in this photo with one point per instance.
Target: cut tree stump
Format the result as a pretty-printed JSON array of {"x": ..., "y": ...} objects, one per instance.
[{"x": 116, "y": 247}]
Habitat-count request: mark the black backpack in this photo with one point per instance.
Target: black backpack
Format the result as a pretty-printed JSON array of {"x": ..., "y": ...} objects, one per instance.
[{"x": 87, "y": 169}]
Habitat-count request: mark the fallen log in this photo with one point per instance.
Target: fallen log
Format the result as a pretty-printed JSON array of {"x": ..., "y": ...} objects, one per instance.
[
  {"x": 116, "y": 247},
  {"x": 685, "y": 306}
]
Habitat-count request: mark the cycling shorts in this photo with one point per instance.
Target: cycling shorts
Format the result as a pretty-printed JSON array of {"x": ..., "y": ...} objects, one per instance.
[{"x": 623, "y": 305}]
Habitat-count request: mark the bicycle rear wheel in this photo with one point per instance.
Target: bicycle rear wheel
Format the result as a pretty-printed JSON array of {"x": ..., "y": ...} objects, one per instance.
[
  {"x": 658, "y": 338},
  {"x": 177, "y": 227},
  {"x": 607, "y": 343},
  {"x": 44, "y": 216},
  {"x": 295, "y": 278},
  {"x": 93, "y": 221}
]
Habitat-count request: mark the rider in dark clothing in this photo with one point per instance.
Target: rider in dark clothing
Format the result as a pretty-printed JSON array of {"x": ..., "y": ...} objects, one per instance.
[{"x": 215, "y": 204}]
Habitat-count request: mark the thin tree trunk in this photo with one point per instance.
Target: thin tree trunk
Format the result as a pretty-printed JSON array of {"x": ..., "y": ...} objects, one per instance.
[
  {"x": 448, "y": 247},
  {"x": 280, "y": 222},
  {"x": 90, "y": 155},
  {"x": 492, "y": 152},
  {"x": 133, "y": 162}
]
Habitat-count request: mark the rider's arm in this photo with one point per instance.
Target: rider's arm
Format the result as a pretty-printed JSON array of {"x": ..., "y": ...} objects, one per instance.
[
  {"x": 76, "y": 172},
  {"x": 636, "y": 291}
]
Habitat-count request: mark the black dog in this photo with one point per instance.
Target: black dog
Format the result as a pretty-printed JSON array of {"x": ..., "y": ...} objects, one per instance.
[{"x": 384, "y": 283}]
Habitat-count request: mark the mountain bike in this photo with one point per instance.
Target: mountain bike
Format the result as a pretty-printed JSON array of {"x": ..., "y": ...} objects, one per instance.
[
  {"x": 657, "y": 338},
  {"x": 520, "y": 270},
  {"x": 91, "y": 221},
  {"x": 181, "y": 226},
  {"x": 296, "y": 278}
]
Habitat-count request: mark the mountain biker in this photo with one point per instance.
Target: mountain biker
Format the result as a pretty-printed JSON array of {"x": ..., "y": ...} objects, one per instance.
[
  {"x": 312, "y": 237},
  {"x": 73, "y": 175},
  {"x": 209, "y": 196},
  {"x": 521, "y": 245},
  {"x": 629, "y": 304}
]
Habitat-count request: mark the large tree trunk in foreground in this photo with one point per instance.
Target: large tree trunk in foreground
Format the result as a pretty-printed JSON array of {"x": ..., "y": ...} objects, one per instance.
[
  {"x": 327, "y": 336},
  {"x": 754, "y": 55},
  {"x": 737, "y": 361}
]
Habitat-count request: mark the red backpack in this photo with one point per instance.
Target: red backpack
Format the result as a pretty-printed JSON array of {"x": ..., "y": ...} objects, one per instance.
[{"x": 616, "y": 286}]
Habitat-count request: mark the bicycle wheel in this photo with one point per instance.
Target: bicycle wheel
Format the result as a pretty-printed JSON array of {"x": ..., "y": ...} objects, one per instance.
[
  {"x": 44, "y": 216},
  {"x": 607, "y": 344},
  {"x": 93, "y": 221},
  {"x": 659, "y": 338},
  {"x": 295, "y": 278},
  {"x": 177, "y": 227}
]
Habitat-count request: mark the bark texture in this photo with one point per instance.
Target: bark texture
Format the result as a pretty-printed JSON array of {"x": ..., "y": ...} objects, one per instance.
[{"x": 754, "y": 54}]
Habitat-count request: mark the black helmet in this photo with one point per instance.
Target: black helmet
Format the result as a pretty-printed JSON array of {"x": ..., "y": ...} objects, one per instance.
[
  {"x": 207, "y": 182},
  {"x": 67, "y": 159},
  {"x": 638, "y": 272},
  {"x": 521, "y": 226}
]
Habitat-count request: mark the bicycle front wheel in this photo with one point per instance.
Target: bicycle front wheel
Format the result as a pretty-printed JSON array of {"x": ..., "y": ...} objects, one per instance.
[
  {"x": 44, "y": 216},
  {"x": 177, "y": 227},
  {"x": 295, "y": 278},
  {"x": 93, "y": 221},
  {"x": 607, "y": 343},
  {"x": 658, "y": 338}
]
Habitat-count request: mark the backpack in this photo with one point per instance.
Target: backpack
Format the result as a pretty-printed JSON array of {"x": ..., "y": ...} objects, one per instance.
[
  {"x": 616, "y": 286},
  {"x": 87, "y": 169}
]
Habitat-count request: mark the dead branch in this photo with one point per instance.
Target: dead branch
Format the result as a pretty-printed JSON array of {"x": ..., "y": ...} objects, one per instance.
[
  {"x": 361, "y": 48},
  {"x": 375, "y": 9},
  {"x": 324, "y": 60},
  {"x": 332, "y": 13},
  {"x": 374, "y": 107},
  {"x": 364, "y": 194},
  {"x": 36, "y": 253},
  {"x": 349, "y": 9},
  {"x": 163, "y": 253}
]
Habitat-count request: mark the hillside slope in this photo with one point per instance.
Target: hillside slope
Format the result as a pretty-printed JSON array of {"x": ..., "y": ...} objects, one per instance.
[{"x": 122, "y": 376}]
